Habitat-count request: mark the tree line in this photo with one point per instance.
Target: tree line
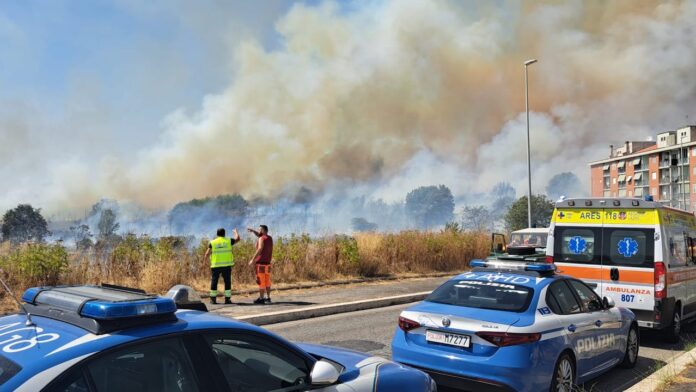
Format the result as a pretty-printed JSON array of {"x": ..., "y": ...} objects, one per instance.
[{"x": 425, "y": 207}]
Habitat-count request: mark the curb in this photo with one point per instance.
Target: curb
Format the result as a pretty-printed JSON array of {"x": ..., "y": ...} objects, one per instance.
[
  {"x": 670, "y": 369},
  {"x": 327, "y": 310},
  {"x": 298, "y": 286}
]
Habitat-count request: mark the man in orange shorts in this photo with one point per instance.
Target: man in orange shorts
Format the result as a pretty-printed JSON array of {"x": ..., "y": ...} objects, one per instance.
[{"x": 262, "y": 263}]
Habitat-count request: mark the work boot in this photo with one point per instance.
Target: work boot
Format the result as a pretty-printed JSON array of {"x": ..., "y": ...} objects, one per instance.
[
  {"x": 268, "y": 300},
  {"x": 228, "y": 301},
  {"x": 259, "y": 301},
  {"x": 213, "y": 300}
]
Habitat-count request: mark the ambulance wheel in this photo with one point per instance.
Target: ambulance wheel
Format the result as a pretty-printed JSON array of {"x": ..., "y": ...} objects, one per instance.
[
  {"x": 672, "y": 332},
  {"x": 632, "y": 346},
  {"x": 564, "y": 374}
]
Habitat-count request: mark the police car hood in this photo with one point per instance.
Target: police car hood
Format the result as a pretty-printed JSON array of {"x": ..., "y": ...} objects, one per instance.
[{"x": 425, "y": 309}]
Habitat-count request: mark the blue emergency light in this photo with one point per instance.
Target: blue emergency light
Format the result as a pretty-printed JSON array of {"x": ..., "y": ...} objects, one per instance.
[
  {"x": 98, "y": 308},
  {"x": 546, "y": 267},
  {"x": 533, "y": 267},
  {"x": 478, "y": 263}
]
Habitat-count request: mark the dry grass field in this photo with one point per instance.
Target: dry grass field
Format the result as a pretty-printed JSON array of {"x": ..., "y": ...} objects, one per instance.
[{"x": 157, "y": 264}]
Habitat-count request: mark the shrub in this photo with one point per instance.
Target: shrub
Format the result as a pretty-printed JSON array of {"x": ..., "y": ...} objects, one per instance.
[{"x": 35, "y": 264}]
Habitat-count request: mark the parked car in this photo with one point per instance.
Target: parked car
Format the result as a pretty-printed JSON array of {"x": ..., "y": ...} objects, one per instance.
[{"x": 515, "y": 326}]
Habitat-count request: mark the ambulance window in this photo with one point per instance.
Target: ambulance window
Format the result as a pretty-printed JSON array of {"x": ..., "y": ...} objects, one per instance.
[
  {"x": 564, "y": 298},
  {"x": 677, "y": 248},
  {"x": 629, "y": 247},
  {"x": 575, "y": 244}
]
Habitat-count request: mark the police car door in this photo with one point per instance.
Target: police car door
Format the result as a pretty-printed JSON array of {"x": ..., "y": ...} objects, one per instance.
[
  {"x": 602, "y": 343},
  {"x": 578, "y": 328},
  {"x": 628, "y": 242}
]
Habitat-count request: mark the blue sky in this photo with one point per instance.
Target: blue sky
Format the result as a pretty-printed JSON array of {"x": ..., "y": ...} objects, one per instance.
[{"x": 119, "y": 67}]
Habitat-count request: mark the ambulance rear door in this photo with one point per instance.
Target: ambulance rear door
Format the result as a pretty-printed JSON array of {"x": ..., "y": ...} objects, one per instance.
[
  {"x": 628, "y": 256},
  {"x": 577, "y": 243}
]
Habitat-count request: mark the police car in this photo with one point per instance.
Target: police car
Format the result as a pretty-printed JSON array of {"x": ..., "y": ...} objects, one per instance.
[
  {"x": 515, "y": 326},
  {"x": 110, "y": 339}
]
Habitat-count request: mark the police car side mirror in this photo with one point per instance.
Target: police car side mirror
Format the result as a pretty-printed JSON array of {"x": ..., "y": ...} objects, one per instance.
[
  {"x": 608, "y": 302},
  {"x": 324, "y": 373}
]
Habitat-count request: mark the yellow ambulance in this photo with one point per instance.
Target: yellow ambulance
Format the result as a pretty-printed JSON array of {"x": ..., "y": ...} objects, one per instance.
[{"x": 638, "y": 252}]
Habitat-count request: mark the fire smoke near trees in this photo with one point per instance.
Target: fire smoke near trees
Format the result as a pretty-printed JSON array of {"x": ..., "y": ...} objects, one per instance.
[{"x": 378, "y": 98}]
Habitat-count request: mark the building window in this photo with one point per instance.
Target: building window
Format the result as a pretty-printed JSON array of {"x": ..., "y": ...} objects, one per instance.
[
  {"x": 613, "y": 180},
  {"x": 653, "y": 191},
  {"x": 654, "y": 175},
  {"x": 694, "y": 188},
  {"x": 693, "y": 151},
  {"x": 630, "y": 193}
]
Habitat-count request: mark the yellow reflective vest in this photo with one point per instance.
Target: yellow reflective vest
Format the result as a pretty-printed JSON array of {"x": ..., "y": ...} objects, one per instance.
[{"x": 222, "y": 253}]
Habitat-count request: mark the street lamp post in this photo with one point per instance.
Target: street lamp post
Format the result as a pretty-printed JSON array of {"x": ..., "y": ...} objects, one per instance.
[{"x": 529, "y": 158}]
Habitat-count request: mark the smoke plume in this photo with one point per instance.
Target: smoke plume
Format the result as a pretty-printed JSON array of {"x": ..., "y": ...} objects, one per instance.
[{"x": 376, "y": 98}]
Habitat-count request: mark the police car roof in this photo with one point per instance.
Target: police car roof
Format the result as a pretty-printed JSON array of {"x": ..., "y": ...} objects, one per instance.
[{"x": 522, "y": 278}]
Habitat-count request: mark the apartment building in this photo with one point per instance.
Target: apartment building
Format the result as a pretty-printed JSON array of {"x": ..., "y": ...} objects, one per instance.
[{"x": 664, "y": 169}]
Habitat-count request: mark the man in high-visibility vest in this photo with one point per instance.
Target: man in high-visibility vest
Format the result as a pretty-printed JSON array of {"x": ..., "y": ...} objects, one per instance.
[{"x": 221, "y": 263}]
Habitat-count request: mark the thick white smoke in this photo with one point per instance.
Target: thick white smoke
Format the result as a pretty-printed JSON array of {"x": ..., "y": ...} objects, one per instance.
[{"x": 381, "y": 97}]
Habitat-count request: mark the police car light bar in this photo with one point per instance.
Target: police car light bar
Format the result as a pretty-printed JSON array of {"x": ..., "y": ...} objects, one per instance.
[
  {"x": 540, "y": 267},
  {"x": 102, "y": 310},
  {"x": 99, "y": 303},
  {"x": 477, "y": 263},
  {"x": 534, "y": 267}
]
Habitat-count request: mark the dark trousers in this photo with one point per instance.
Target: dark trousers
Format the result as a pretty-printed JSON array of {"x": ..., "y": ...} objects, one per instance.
[{"x": 226, "y": 273}]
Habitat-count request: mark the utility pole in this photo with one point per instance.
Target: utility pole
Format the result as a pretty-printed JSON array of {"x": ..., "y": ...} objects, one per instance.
[{"x": 529, "y": 158}]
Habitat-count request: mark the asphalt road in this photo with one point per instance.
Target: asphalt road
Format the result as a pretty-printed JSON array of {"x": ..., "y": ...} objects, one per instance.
[{"x": 371, "y": 331}]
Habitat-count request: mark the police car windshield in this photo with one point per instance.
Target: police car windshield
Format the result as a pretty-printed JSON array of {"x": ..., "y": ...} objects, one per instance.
[{"x": 483, "y": 295}]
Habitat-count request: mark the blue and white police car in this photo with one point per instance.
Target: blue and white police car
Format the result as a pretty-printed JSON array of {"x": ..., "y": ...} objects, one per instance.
[
  {"x": 515, "y": 326},
  {"x": 110, "y": 339}
]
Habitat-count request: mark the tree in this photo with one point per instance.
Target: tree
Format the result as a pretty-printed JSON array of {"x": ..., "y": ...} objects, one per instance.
[
  {"x": 82, "y": 236},
  {"x": 107, "y": 224},
  {"x": 477, "y": 218},
  {"x": 430, "y": 206},
  {"x": 503, "y": 195},
  {"x": 564, "y": 184},
  {"x": 24, "y": 223},
  {"x": 542, "y": 209},
  {"x": 210, "y": 211},
  {"x": 362, "y": 224}
]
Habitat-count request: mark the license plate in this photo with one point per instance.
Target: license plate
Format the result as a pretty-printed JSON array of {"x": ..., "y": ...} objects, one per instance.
[{"x": 451, "y": 339}]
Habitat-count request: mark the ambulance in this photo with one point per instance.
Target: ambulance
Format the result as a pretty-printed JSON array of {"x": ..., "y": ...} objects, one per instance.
[{"x": 638, "y": 252}]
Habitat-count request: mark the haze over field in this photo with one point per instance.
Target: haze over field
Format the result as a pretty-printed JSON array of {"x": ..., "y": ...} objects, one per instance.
[{"x": 158, "y": 102}]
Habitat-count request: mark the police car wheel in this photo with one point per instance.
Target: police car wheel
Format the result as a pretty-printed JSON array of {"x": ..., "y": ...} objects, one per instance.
[
  {"x": 563, "y": 375},
  {"x": 632, "y": 346}
]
